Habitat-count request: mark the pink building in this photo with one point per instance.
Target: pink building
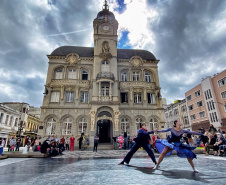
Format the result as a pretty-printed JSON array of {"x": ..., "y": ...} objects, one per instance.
[{"x": 206, "y": 103}]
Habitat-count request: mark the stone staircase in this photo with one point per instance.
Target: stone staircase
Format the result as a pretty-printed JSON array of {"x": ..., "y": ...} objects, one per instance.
[{"x": 107, "y": 146}]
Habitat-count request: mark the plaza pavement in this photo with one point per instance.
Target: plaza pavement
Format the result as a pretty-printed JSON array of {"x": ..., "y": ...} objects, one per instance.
[{"x": 95, "y": 171}]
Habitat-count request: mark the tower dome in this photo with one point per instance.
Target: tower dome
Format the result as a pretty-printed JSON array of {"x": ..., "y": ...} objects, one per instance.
[{"x": 105, "y": 12}]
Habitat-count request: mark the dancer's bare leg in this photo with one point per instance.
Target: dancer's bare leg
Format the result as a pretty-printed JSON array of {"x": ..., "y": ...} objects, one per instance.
[
  {"x": 192, "y": 164},
  {"x": 163, "y": 154}
]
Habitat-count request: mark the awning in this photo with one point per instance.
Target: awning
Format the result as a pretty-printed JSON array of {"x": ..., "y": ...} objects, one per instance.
[{"x": 197, "y": 126}]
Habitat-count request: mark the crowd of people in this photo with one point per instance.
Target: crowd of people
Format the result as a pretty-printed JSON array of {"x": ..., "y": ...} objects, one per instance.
[{"x": 52, "y": 145}]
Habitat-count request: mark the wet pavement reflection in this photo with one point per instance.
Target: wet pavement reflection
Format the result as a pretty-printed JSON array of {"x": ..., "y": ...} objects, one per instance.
[{"x": 174, "y": 170}]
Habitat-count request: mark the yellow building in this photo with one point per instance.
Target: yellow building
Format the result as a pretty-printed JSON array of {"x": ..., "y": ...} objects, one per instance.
[{"x": 32, "y": 126}]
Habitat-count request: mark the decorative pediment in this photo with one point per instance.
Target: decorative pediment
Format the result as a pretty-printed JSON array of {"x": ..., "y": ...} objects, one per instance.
[
  {"x": 72, "y": 58},
  {"x": 136, "y": 61}
]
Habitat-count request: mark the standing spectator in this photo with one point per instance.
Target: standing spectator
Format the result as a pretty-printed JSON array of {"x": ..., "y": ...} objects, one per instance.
[
  {"x": 8, "y": 144},
  {"x": 80, "y": 142},
  {"x": 28, "y": 144},
  {"x": 67, "y": 143},
  {"x": 96, "y": 141},
  {"x": 125, "y": 140},
  {"x": 37, "y": 141},
  {"x": 25, "y": 142},
  {"x": 63, "y": 140},
  {"x": 3, "y": 142},
  {"x": 18, "y": 142},
  {"x": 72, "y": 143},
  {"x": 32, "y": 141}
]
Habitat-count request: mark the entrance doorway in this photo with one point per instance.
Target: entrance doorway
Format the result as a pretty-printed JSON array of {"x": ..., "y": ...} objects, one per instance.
[{"x": 103, "y": 129}]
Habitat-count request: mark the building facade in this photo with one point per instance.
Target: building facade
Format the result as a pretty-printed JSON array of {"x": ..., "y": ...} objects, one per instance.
[
  {"x": 103, "y": 89},
  {"x": 177, "y": 111},
  {"x": 32, "y": 126},
  {"x": 206, "y": 102},
  {"x": 9, "y": 122}
]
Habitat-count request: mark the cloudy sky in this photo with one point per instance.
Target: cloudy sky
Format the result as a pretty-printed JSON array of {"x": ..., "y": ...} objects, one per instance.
[{"x": 187, "y": 36}]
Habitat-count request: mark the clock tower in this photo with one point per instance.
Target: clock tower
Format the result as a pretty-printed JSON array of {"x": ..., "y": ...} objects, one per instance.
[{"x": 105, "y": 55}]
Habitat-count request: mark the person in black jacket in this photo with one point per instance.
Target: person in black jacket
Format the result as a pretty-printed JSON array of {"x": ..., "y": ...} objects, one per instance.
[{"x": 142, "y": 140}]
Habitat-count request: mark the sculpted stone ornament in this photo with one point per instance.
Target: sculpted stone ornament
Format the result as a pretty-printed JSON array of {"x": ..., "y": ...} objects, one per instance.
[
  {"x": 72, "y": 58},
  {"x": 136, "y": 61},
  {"x": 105, "y": 51}
]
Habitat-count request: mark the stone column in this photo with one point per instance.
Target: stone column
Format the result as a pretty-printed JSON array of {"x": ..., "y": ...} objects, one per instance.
[
  {"x": 65, "y": 72},
  {"x": 110, "y": 92},
  {"x": 99, "y": 91},
  {"x": 145, "y": 94},
  {"x": 131, "y": 94},
  {"x": 76, "y": 93},
  {"x": 142, "y": 75},
  {"x": 58, "y": 131},
  {"x": 62, "y": 92}
]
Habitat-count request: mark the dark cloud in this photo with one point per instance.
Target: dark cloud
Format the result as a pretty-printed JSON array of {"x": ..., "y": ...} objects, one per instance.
[
  {"x": 188, "y": 39},
  {"x": 187, "y": 42}
]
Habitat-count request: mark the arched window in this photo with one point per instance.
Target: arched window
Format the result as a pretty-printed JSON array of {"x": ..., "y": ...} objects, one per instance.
[
  {"x": 125, "y": 125},
  {"x": 105, "y": 66},
  {"x": 138, "y": 121},
  {"x": 82, "y": 126},
  {"x": 59, "y": 73},
  {"x": 50, "y": 126},
  {"x": 136, "y": 76},
  {"x": 124, "y": 76},
  {"x": 153, "y": 123},
  {"x": 67, "y": 124},
  {"x": 84, "y": 75},
  {"x": 147, "y": 77},
  {"x": 71, "y": 74}
]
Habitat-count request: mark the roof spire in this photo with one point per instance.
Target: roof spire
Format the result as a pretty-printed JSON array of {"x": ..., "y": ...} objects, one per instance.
[{"x": 105, "y": 7}]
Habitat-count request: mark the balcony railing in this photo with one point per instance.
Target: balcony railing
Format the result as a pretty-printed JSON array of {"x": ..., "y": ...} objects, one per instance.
[{"x": 105, "y": 75}]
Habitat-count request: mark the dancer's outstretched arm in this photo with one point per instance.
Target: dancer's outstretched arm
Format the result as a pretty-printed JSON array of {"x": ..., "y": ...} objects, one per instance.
[
  {"x": 165, "y": 130},
  {"x": 191, "y": 132}
]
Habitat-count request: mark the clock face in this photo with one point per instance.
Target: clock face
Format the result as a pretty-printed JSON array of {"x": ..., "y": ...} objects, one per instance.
[{"x": 105, "y": 28}]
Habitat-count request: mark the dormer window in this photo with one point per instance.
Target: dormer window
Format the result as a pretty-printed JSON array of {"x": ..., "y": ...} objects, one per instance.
[{"x": 147, "y": 77}]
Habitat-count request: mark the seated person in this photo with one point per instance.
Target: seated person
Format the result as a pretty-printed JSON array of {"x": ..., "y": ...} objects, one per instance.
[
  {"x": 210, "y": 144},
  {"x": 53, "y": 148},
  {"x": 45, "y": 148},
  {"x": 220, "y": 141},
  {"x": 222, "y": 148},
  {"x": 61, "y": 147}
]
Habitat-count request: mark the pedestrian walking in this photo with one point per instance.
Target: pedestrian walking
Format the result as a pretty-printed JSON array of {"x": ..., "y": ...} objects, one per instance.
[
  {"x": 142, "y": 140},
  {"x": 96, "y": 141}
]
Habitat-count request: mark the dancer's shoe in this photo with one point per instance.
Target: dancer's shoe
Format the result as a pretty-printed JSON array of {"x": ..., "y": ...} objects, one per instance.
[
  {"x": 195, "y": 170},
  {"x": 156, "y": 167},
  {"x": 121, "y": 163}
]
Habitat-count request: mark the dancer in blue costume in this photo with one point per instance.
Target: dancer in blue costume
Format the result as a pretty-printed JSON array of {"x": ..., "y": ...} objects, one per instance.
[
  {"x": 165, "y": 147},
  {"x": 142, "y": 140}
]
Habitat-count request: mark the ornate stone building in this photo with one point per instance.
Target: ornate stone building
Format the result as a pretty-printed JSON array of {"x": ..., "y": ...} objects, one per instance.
[{"x": 101, "y": 89}]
